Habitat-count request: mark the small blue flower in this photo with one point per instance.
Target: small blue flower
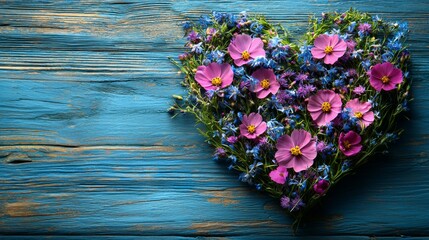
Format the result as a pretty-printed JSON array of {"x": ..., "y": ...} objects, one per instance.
[
  {"x": 196, "y": 48},
  {"x": 256, "y": 29},
  {"x": 205, "y": 21},
  {"x": 187, "y": 25}
]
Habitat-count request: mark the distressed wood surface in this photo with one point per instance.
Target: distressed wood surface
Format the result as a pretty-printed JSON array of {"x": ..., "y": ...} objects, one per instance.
[{"x": 87, "y": 149}]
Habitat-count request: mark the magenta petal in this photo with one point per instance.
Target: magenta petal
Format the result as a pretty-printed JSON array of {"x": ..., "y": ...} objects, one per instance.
[
  {"x": 245, "y": 120},
  {"x": 376, "y": 83},
  {"x": 227, "y": 75},
  {"x": 255, "y": 119},
  {"x": 240, "y": 62},
  {"x": 257, "y": 48},
  {"x": 330, "y": 59},
  {"x": 388, "y": 87},
  {"x": 386, "y": 68},
  {"x": 333, "y": 40},
  {"x": 310, "y": 151},
  {"x": 213, "y": 70},
  {"x": 285, "y": 142},
  {"x": 262, "y": 73},
  {"x": 243, "y": 130},
  {"x": 313, "y": 106},
  {"x": 261, "y": 128},
  {"x": 318, "y": 53},
  {"x": 274, "y": 87},
  {"x": 322, "y": 41},
  {"x": 396, "y": 76},
  {"x": 243, "y": 42},
  {"x": 300, "y": 137},
  {"x": 234, "y": 52},
  {"x": 368, "y": 117},
  {"x": 301, "y": 163},
  {"x": 341, "y": 46},
  {"x": 376, "y": 71},
  {"x": 262, "y": 94}
]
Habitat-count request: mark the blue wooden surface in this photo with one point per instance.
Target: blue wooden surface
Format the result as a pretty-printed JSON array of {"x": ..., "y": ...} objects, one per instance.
[{"x": 87, "y": 149}]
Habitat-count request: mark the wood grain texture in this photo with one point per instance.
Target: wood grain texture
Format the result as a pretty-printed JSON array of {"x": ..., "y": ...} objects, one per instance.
[{"x": 87, "y": 149}]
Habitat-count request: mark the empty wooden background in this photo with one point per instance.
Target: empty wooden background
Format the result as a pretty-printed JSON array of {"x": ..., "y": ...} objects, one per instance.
[{"x": 87, "y": 148}]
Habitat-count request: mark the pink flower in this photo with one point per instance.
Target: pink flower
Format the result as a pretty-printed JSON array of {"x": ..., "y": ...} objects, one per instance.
[
  {"x": 267, "y": 83},
  {"x": 328, "y": 47},
  {"x": 321, "y": 186},
  {"x": 297, "y": 151},
  {"x": 279, "y": 175},
  {"x": 349, "y": 143},
  {"x": 243, "y": 49},
  {"x": 359, "y": 90},
  {"x": 324, "y": 106},
  {"x": 252, "y": 126},
  {"x": 361, "y": 111},
  {"x": 214, "y": 76},
  {"x": 385, "y": 76}
]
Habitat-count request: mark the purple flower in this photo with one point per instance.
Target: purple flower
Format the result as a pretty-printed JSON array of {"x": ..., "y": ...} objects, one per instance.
[
  {"x": 297, "y": 151},
  {"x": 350, "y": 143},
  {"x": 193, "y": 36},
  {"x": 365, "y": 28},
  {"x": 385, "y": 76},
  {"x": 321, "y": 186},
  {"x": 279, "y": 175},
  {"x": 214, "y": 76},
  {"x": 329, "y": 48},
  {"x": 324, "y": 106},
  {"x": 232, "y": 139},
  {"x": 244, "y": 49},
  {"x": 266, "y": 84},
  {"x": 359, "y": 90},
  {"x": 252, "y": 126}
]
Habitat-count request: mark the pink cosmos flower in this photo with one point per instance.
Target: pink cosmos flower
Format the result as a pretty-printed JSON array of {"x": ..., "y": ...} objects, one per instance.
[
  {"x": 252, "y": 126},
  {"x": 324, "y": 106},
  {"x": 279, "y": 175},
  {"x": 267, "y": 83},
  {"x": 214, "y": 76},
  {"x": 297, "y": 151},
  {"x": 244, "y": 48},
  {"x": 361, "y": 111},
  {"x": 385, "y": 76},
  {"x": 349, "y": 143},
  {"x": 330, "y": 48}
]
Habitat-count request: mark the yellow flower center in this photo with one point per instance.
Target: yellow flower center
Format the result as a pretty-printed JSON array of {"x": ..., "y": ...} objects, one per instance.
[
  {"x": 217, "y": 81},
  {"x": 265, "y": 84},
  {"x": 251, "y": 129},
  {"x": 326, "y": 107},
  {"x": 296, "y": 151},
  {"x": 358, "y": 115},
  {"x": 346, "y": 144},
  {"x": 328, "y": 50},
  {"x": 245, "y": 55},
  {"x": 385, "y": 79}
]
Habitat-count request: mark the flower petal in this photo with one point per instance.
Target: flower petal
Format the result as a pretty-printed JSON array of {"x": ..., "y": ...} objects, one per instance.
[
  {"x": 318, "y": 53},
  {"x": 322, "y": 41},
  {"x": 300, "y": 137},
  {"x": 261, "y": 128},
  {"x": 396, "y": 76},
  {"x": 234, "y": 52},
  {"x": 255, "y": 119},
  {"x": 256, "y": 48},
  {"x": 243, "y": 42}
]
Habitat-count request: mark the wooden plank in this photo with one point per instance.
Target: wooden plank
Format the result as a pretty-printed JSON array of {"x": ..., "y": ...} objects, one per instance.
[{"x": 84, "y": 88}]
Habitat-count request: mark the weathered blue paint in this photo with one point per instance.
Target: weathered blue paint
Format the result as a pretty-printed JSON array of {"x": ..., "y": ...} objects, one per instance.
[{"x": 84, "y": 89}]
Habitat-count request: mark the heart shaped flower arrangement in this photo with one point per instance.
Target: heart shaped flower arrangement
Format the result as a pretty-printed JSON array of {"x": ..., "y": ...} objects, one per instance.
[{"x": 294, "y": 119}]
